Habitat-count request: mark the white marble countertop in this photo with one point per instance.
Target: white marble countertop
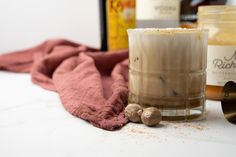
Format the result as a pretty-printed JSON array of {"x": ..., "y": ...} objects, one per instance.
[{"x": 33, "y": 123}]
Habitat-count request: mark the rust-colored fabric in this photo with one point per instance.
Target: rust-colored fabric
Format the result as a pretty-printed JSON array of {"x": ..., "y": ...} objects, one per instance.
[{"x": 92, "y": 85}]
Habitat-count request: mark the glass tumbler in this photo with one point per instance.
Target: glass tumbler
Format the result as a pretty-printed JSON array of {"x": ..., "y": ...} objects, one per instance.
[{"x": 167, "y": 70}]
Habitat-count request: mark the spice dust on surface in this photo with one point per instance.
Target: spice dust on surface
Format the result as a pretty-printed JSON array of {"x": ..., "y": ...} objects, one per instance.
[{"x": 165, "y": 130}]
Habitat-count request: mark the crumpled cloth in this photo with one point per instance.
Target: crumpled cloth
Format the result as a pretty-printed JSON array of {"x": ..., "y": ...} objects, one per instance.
[{"x": 92, "y": 85}]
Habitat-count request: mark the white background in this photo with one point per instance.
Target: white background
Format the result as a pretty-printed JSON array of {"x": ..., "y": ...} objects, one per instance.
[{"x": 25, "y": 23}]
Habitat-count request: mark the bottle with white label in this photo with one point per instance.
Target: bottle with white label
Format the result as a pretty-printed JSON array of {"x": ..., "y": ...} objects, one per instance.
[
  {"x": 158, "y": 13},
  {"x": 221, "y": 55}
]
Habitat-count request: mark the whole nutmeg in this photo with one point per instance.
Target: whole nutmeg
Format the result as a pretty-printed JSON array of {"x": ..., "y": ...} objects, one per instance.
[
  {"x": 133, "y": 112},
  {"x": 151, "y": 116}
]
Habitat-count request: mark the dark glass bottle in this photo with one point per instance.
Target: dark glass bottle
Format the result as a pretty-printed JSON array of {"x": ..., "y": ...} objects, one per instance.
[{"x": 103, "y": 24}]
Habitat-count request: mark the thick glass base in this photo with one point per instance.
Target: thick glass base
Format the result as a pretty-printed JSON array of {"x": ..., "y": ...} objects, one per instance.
[
  {"x": 191, "y": 114},
  {"x": 174, "y": 109}
]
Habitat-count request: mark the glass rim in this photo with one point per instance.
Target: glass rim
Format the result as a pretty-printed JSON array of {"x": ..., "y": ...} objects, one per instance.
[{"x": 167, "y": 30}]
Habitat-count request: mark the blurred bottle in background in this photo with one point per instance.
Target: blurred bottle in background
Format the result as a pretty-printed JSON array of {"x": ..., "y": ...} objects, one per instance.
[
  {"x": 158, "y": 13},
  {"x": 116, "y": 16},
  {"x": 220, "y": 20},
  {"x": 188, "y": 14}
]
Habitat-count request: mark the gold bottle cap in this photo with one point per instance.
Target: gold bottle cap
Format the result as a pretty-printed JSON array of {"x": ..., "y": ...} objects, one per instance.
[{"x": 228, "y": 101}]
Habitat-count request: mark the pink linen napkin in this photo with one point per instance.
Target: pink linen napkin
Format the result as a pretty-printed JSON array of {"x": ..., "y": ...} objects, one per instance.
[{"x": 92, "y": 85}]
